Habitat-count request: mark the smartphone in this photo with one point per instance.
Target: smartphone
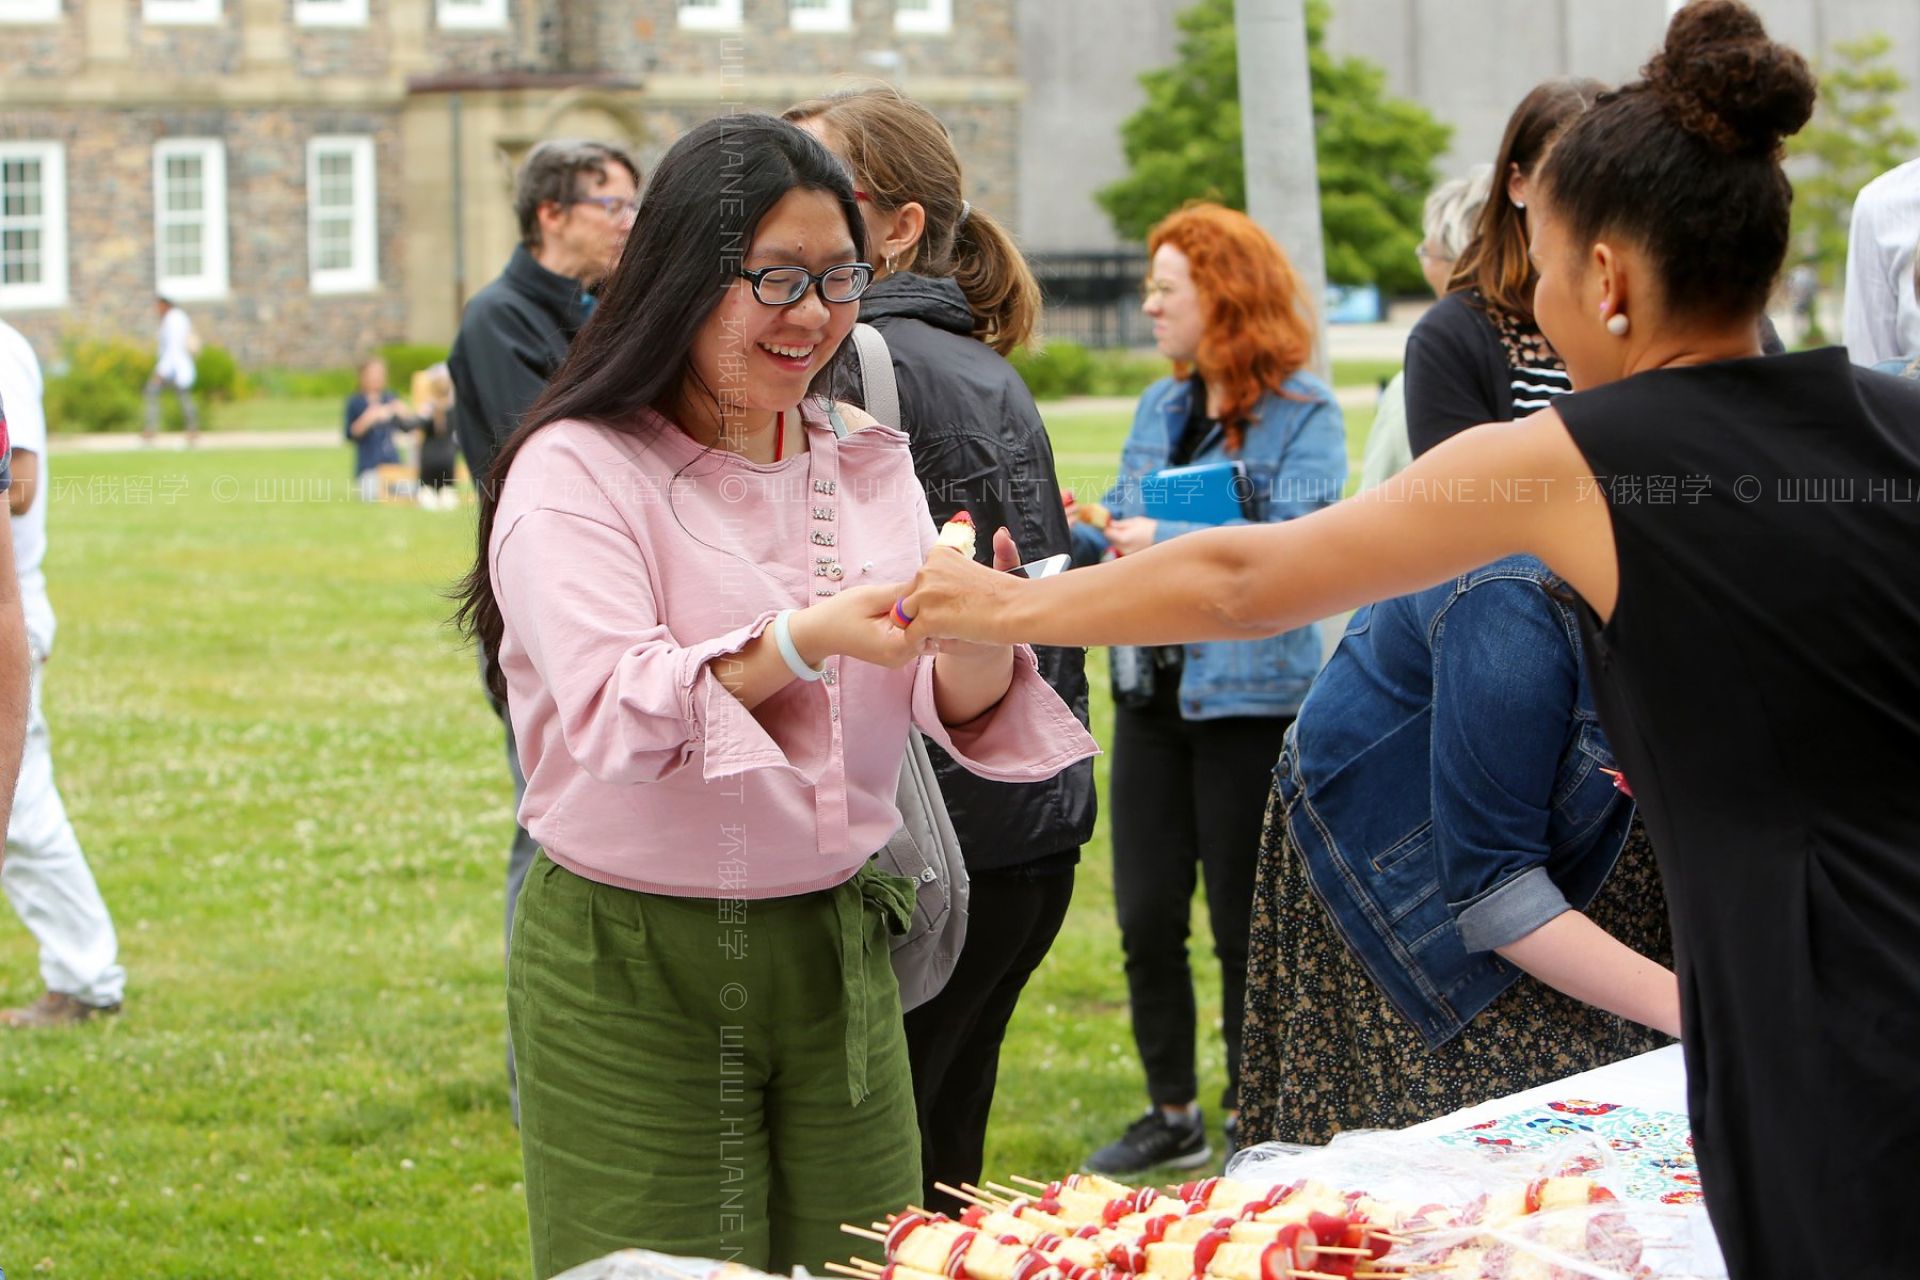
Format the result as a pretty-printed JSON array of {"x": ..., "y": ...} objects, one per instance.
[{"x": 1043, "y": 568}]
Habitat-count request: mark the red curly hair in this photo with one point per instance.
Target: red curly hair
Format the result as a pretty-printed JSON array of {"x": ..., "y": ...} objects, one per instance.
[{"x": 1257, "y": 327}]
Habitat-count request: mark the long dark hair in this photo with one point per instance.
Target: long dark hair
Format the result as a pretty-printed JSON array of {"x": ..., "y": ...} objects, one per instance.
[
  {"x": 696, "y": 223},
  {"x": 1687, "y": 162},
  {"x": 1495, "y": 261}
]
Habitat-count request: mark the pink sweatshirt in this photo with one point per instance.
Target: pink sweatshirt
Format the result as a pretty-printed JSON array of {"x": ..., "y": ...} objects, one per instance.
[{"x": 624, "y": 565}]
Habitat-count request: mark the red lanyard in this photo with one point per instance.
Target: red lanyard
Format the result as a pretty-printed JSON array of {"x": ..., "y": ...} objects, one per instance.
[{"x": 779, "y": 435}]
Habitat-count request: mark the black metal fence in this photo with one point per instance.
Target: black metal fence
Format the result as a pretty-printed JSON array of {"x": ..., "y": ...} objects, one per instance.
[{"x": 1093, "y": 298}]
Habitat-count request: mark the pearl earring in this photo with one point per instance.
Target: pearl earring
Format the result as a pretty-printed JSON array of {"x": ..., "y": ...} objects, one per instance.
[
  {"x": 1618, "y": 324},
  {"x": 1520, "y": 204}
]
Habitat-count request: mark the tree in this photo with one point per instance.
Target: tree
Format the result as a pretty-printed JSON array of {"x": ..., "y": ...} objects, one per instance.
[
  {"x": 1376, "y": 153},
  {"x": 1855, "y": 137}
]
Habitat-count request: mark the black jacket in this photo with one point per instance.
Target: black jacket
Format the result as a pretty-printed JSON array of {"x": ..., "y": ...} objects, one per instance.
[
  {"x": 513, "y": 336},
  {"x": 979, "y": 445}
]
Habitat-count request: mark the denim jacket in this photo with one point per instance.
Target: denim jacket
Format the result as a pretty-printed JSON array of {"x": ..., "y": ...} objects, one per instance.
[
  {"x": 1445, "y": 787},
  {"x": 1295, "y": 453}
]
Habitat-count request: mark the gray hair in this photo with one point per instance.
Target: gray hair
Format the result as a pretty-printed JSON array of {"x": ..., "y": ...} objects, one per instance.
[
  {"x": 551, "y": 172},
  {"x": 1454, "y": 208}
]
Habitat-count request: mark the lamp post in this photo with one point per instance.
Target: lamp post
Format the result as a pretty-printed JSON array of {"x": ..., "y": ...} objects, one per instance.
[{"x": 1276, "y": 114}]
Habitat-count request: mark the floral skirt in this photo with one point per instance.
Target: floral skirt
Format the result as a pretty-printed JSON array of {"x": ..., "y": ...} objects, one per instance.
[{"x": 1325, "y": 1050}]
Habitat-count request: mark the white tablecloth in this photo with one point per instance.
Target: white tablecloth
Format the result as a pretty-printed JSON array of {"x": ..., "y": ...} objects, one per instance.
[{"x": 1654, "y": 1081}]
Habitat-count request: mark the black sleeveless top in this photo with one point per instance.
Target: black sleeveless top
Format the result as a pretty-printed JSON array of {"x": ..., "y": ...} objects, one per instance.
[{"x": 1760, "y": 683}]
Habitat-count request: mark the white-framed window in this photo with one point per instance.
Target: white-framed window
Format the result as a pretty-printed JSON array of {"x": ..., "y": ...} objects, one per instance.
[
  {"x": 190, "y": 218},
  {"x": 710, "y": 15},
  {"x": 470, "y": 15},
  {"x": 329, "y": 13},
  {"x": 25, "y": 11},
  {"x": 342, "y": 244},
  {"x": 33, "y": 224},
  {"x": 923, "y": 17},
  {"x": 820, "y": 15},
  {"x": 180, "y": 13}
]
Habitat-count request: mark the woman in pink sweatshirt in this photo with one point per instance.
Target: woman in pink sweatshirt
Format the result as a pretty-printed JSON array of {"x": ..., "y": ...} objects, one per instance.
[{"x": 685, "y": 576}]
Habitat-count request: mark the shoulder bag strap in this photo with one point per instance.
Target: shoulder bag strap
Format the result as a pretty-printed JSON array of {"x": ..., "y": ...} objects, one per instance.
[{"x": 882, "y": 393}]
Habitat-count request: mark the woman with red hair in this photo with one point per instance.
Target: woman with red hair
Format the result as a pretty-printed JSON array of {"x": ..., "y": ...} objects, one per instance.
[{"x": 1198, "y": 727}]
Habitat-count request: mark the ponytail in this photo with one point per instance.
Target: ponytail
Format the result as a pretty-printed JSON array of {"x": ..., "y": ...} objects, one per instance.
[{"x": 1000, "y": 288}]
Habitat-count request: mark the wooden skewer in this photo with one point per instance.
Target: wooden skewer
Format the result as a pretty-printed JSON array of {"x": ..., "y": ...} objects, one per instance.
[
  {"x": 868, "y": 1266},
  {"x": 1312, "y": 1275},
  {"x": 967, "y": 1195},
  {"x": 1342, "y": 1248},
  {"x": 1007, "y": 1193},
  {"x": 839, "y": 1270},
  {"x": 878, "y": 1226},
  {"x": 863, "y": 1233},
  {"x": 1028, "y": 1182}
]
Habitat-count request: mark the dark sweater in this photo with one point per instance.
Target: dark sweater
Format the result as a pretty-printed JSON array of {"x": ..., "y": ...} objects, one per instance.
[
  {"x": 1459, "y": 373},
  {"x": 513, "y": 337},
  {"x": 979, "y": 445}
]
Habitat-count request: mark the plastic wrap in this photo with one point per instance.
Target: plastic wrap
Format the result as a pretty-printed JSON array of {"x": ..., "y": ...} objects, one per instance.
[
  {"x": 1471, "y": 1212},
  {"x": 1622, "y": 1240}
]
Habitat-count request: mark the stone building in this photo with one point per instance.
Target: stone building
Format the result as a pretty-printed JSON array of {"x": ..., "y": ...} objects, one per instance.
[{"x": 310, "y": 178}]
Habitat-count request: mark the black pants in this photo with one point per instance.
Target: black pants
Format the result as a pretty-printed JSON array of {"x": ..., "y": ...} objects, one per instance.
[
  {"x": 1188, "y": 796},
  {"x": 953, "y": 1040},
  {"x": 437, "y": 455}
]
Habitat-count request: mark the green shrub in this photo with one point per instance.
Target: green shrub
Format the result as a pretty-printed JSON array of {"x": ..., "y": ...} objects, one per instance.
[
  {"x": 95, "y": 385},
  {"x": 1055, "y": 370},
  {"x": 404, "y": 359},
  {"x": 217, "y": 376},
  {"x": 304, "y": 384},
  {"x": 83, "y": 404},
  {"x": 1061, "y": 369}
]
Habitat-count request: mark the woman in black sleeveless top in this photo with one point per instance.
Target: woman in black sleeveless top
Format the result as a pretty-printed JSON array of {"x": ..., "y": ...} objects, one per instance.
[{"x": 1745, "y": 534}]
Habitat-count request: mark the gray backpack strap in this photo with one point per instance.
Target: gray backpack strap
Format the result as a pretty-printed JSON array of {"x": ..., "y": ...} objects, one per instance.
[{"x": 876, "y": 375}]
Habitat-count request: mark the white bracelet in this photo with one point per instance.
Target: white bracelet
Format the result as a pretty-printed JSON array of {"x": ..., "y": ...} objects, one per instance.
[{"x": 783, "y": 636}]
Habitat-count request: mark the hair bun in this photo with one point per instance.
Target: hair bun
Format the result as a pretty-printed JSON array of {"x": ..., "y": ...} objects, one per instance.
[{"x": 1722, "y": 78}]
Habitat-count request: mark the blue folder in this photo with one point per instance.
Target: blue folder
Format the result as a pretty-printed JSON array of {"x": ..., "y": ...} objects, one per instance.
[{"x": 1210, "y": 493}]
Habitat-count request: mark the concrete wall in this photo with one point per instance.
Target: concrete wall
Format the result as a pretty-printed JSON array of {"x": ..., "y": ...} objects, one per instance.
[
  {"x": 1082, "y": 61},
  {"x": 1471, "y": 61}
]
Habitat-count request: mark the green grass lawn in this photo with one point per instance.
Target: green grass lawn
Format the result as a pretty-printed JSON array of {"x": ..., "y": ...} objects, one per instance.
[
  {"x": 279, "y": 413},
  {"x": 1086, "y": 444},
  {"x": 294, "y": 799}
]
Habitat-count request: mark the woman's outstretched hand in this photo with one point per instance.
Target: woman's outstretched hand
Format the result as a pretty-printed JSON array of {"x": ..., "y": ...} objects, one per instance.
[
  {"x": 956, "y": 598},
  {"x": 1006, "y": 557}
]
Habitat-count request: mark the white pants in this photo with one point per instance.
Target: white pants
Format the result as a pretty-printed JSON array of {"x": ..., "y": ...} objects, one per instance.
[{"x": 47, "y": 879}]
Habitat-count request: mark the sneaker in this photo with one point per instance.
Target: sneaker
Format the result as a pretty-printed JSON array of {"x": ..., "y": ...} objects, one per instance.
[
  {"x": 55, "y": 1009},
  {"x": 1152, "y": 1141}
]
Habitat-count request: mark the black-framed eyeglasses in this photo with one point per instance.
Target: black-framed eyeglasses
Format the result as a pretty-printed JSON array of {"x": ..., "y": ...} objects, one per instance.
[
  {"x": 784, "y": 286},
  {"x": 612, "y": 206}
]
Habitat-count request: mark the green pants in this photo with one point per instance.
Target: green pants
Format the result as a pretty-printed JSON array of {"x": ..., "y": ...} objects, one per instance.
[{"x": 713, "y": 1079}]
